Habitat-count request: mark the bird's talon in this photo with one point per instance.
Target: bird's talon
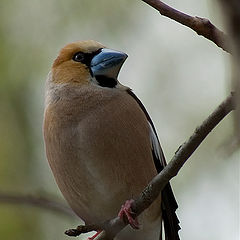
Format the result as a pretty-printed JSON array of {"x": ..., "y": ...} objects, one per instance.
[
  {"x": 126, "y": 214},
  {"x": 95, "y": 235}
]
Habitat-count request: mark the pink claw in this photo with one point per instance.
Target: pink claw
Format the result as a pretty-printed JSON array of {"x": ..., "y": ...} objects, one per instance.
[
  {"x": 126, "y": 212},
  {"x": 95, "y": 235}
]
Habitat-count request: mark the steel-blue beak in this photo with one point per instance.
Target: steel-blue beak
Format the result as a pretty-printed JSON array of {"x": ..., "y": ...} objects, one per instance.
[{"x": 108, "y": 63}]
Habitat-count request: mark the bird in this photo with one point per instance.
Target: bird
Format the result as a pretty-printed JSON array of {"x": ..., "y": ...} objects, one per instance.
[{"x": 101, "y": 144}]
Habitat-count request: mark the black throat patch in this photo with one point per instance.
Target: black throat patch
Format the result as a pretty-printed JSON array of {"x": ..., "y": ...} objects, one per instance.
[{"x": 104, "y": 81}]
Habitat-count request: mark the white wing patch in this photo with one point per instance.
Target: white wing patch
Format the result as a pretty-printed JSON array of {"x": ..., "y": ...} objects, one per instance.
[{"x": 156, "y": 146}]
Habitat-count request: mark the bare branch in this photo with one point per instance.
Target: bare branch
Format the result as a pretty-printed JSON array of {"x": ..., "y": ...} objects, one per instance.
[
  {"x": 201, "y": 26},
  {"x": 232, "y": 16},
  {"x": 36, "y": 201},
  {"x": 82, "y": 229},
  {"x": 151, "y": 192}
]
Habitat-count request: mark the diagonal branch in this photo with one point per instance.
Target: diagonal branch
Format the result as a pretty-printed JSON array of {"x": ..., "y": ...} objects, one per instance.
[
  {"x": 201, "y": 26},
  {"x": 42, "y": 202},
  {"x": 232, "y": 16},
  {"x": 151, "y": 192}
]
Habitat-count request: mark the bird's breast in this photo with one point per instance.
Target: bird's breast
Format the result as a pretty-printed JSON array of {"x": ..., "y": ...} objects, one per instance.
[{"x": 100, "y": 157}]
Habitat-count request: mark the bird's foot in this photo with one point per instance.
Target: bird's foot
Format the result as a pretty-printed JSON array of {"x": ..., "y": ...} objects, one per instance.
[
  {"x": 127, "y": 214},
  {"x": 95, "y": 235}
]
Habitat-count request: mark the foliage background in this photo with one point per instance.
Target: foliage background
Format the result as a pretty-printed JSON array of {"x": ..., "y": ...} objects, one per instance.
[{"x": 179, "y": 77}]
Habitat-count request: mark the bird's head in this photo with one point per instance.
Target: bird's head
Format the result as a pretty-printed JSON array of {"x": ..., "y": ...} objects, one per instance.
[{"x": 84, "y": 62}]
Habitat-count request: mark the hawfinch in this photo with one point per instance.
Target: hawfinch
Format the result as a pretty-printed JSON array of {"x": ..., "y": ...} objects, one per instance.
[{"x": 101, "y": 143}]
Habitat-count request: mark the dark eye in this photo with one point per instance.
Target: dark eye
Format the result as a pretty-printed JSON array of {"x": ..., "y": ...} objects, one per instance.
[{"x": 78, "y": 57}]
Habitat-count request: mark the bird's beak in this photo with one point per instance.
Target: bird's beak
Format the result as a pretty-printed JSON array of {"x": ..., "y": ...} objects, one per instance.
[{"x": 108, "y": 63}]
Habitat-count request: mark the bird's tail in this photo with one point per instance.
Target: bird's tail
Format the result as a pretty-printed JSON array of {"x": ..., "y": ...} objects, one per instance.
[{"x": 170, "y": 219}]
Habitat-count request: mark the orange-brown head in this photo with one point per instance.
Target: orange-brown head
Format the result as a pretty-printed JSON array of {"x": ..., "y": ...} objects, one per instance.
[{"x": 85, "y": 61}]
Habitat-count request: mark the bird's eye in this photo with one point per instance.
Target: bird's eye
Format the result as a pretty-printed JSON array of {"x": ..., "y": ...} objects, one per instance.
[{"x": 78, "y": 57}]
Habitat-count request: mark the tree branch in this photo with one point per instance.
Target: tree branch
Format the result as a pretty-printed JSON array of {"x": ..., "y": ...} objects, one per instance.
[
  {"x": 36, "y": 201},
  {"x": 232, "y": 16},
  {"x": 150, "y": 193},
  {"x": 201, "y": 26}
]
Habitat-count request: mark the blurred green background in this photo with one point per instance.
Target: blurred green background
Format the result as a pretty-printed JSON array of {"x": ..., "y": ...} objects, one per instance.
[{"x": 179, "y": 76}]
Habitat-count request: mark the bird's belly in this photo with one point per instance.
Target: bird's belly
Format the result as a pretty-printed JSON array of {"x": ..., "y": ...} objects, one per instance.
[
  {"x": 97, "y": 176},
  {"x": 102, "y": 161}
]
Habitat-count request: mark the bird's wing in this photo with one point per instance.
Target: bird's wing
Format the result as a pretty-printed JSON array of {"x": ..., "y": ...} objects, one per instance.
[{"x": 169, "y": 204}]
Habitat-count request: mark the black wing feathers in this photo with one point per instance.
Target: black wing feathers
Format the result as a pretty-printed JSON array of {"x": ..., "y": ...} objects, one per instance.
[
  {"x": 169, "y": 204},
  {"x": 170, "y": 219}
]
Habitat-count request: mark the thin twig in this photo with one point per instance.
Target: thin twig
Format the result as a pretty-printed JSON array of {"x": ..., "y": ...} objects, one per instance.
[
  {"x": 201, "y": 26},
  {"x": 82, "y": 229},
  {"x": 42, "y": 202},
  {"x": 151, "y": 192}
]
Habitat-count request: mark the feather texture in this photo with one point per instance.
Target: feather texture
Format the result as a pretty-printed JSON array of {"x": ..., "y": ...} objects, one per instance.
[
  {"x": 169, "y": 204},
  {"x": 101, "y": 143},
  {"x": 96, "y": 166}
]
